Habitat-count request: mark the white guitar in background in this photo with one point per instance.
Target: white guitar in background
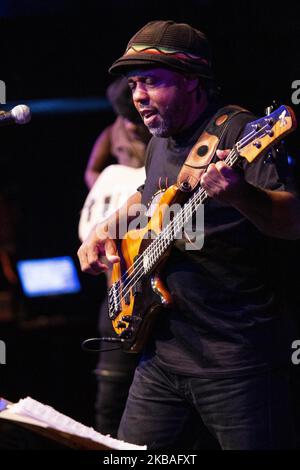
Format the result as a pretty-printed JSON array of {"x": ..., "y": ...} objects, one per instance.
[{"x": 113, "y": 187}]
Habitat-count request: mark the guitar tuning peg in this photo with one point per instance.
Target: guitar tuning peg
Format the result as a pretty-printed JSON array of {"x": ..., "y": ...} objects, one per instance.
[{"x": 269, "y": 109}]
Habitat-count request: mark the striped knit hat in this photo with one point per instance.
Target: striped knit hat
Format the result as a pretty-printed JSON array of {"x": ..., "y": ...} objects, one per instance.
[{"x": 176, "y": 46}]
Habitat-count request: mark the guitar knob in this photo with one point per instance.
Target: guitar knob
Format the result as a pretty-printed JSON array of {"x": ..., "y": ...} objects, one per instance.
[
  {"x": 127, "y": 318},
  {"x": 121, "y": 324},
  {"x": 257, "y": 145}
]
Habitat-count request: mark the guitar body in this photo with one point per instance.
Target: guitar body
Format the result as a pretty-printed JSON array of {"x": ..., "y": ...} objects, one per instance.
[{"x": 140, "y": 304}]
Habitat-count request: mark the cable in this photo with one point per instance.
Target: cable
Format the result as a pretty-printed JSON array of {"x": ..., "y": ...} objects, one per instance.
[{"x": 86, "y": 345}]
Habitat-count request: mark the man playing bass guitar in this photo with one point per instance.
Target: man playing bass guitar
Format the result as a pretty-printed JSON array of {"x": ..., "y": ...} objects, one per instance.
[{"x": 222, "y": 348}]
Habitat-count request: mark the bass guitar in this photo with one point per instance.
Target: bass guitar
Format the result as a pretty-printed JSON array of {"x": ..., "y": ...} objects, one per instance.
[{"x": 137, "y": 292}]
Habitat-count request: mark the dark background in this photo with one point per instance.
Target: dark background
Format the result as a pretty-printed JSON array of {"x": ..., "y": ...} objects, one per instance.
[{"x": 62, "y": 49}]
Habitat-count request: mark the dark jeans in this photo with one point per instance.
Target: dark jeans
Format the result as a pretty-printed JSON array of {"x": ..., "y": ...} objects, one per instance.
[
  {"x": 114, "y": 373},
  {"x": 242, "y": 413}
]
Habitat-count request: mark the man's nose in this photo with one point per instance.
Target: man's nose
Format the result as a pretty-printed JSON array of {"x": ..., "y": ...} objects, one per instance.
[{"x": 140, "y": 93}]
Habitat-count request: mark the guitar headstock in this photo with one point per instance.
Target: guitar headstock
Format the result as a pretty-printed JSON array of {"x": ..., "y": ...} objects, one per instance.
[{"x": 265, "y": 132}]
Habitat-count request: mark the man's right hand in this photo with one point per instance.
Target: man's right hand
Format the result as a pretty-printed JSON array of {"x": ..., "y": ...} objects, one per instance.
[
  {"x": 100, "y": 240},
  {"x": 94, "y": 246}
]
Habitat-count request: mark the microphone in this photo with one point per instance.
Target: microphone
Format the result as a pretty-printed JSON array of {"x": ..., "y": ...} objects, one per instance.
[{"x": 18, "y": 115}]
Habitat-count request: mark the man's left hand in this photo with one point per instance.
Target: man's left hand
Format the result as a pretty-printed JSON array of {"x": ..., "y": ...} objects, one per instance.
[{"x": 222, "y": 182}]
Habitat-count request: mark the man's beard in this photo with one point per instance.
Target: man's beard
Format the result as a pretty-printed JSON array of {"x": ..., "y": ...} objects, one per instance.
[{"x": 164, "y": 129}]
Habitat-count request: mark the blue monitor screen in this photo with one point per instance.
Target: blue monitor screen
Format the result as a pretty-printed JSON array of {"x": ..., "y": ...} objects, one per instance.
[{"x": 49, "y": 276}]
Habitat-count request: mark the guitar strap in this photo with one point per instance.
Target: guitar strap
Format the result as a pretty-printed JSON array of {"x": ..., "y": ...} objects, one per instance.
[{"x": 202, "y": 153}]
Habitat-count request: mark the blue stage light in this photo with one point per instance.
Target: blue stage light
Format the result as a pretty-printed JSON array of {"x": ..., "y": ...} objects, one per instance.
[{"x": 49, "y": 276}]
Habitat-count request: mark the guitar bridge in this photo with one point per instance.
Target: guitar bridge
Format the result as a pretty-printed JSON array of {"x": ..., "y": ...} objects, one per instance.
[{"x": 114, "y": 301}]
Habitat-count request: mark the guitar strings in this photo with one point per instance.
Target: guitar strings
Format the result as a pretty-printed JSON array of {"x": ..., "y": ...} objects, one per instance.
[
  {"x": 196, "y": 199},
  {"x": 147, "y": 249},
  {"x": 231, "y": 158},
  {"x": 155, "y": 246}
]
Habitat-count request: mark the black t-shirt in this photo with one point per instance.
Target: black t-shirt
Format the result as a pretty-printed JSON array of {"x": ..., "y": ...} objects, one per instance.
[{"x": 228, "y": 317}]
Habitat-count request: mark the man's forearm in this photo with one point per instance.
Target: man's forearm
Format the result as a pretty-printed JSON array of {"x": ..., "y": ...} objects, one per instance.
[{"x": 275, "y": 213}]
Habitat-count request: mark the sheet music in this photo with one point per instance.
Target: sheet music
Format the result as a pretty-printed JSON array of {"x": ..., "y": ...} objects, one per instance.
[{"x": 47, "y": 415}]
